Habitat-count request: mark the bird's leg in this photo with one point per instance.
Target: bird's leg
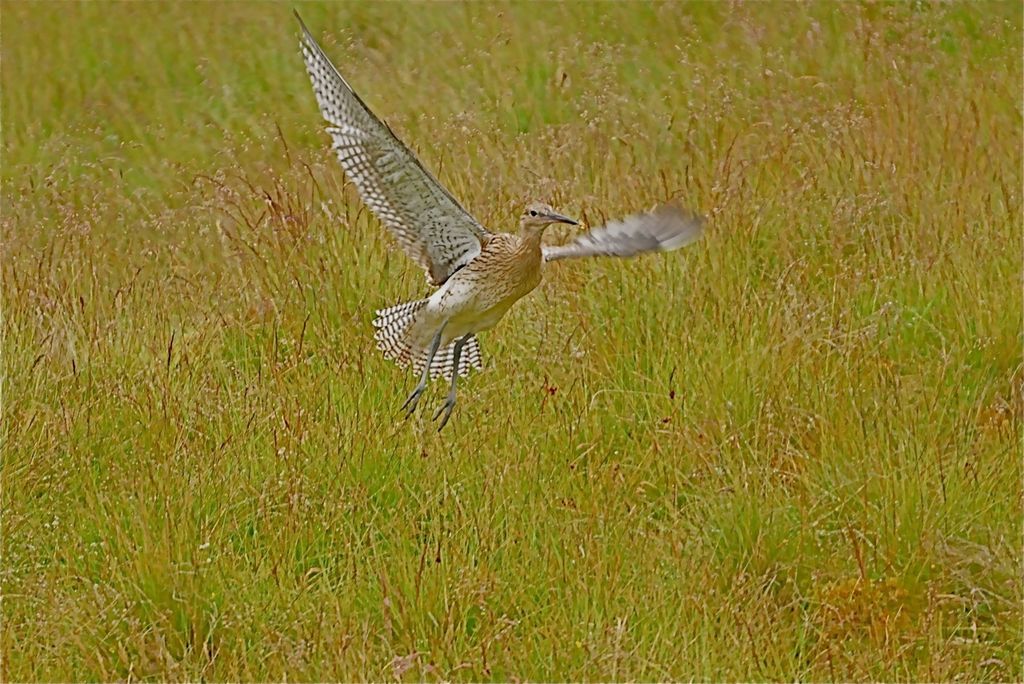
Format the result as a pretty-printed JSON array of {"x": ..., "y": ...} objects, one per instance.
[
  {"x": 449, "y": 403},
  {"x": 415, "y": 396}
]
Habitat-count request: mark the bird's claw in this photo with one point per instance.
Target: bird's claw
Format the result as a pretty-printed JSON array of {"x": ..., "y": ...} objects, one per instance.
[
  {"x": 412, "y": 400},
  {"x": 445, "y": 408}
]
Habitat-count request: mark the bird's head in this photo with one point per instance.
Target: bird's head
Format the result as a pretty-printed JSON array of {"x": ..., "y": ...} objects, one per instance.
[{"x": 536, "y": 217}]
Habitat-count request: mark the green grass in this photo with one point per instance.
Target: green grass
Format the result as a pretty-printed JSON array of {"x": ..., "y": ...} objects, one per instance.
[{"x": 790, "y": 451}]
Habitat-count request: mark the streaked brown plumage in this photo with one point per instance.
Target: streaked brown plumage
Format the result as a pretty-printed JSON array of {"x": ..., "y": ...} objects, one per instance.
[{"x": 479, "y": 274}]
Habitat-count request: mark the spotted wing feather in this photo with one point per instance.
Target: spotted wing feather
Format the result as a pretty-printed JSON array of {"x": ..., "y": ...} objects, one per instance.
[
  {"x": 429, "y": 224},
  {"x": 663, "y": 229}
]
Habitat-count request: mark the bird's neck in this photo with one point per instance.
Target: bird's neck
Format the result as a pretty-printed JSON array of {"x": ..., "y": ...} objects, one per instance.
[{"x": 529, "y": 242}]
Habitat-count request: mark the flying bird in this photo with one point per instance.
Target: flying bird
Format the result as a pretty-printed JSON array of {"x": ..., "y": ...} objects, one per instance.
[{"x": 479, "y": 274}]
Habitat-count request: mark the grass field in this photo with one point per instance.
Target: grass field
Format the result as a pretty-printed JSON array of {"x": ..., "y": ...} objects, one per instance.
[{"x": 790, "y": 451}]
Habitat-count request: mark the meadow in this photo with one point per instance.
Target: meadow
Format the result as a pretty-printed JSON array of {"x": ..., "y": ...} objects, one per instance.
[{"x": 790, "y": 451}]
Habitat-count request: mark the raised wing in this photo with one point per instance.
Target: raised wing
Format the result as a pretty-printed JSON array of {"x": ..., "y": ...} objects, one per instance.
[
  {"x": 430, "y": 225},
  {"x": 663, "y": 229}
]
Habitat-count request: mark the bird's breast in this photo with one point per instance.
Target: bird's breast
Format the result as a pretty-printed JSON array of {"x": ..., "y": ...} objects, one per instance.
[{"x": 478, "y": 295}]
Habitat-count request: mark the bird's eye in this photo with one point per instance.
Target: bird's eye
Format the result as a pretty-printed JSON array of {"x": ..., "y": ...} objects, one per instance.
[{"x": 533, "y": 213}]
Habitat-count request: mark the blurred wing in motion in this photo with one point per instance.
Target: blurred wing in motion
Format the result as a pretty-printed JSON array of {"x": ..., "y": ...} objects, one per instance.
[
  {"x": 430, "y": 225},
  {"x": 663, "y": 229}
]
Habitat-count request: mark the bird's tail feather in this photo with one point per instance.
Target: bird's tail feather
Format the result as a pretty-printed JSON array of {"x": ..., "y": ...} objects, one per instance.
[
  {"x": 444, "y": 359},
  {"x": 394, "y": 325}
]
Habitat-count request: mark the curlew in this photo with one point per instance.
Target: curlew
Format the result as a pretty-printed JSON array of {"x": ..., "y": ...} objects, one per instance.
[{"x": 478, "y": 274}]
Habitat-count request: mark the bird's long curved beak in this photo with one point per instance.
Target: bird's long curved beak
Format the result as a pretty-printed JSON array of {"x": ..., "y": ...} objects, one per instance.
[{"x": 561, "y": 219}]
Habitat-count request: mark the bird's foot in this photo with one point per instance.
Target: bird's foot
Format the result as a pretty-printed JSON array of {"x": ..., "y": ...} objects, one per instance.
[
  {"x": 445, "y": 408},
  {"x": 410, "y": 404}
]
